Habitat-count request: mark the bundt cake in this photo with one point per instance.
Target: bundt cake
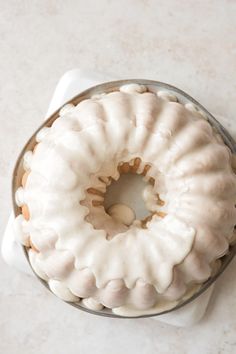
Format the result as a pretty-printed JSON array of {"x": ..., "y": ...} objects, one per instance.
[{"x": 108, "y": 258}]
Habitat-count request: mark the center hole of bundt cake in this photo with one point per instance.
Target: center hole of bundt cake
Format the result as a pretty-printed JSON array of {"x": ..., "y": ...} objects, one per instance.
[
  {"x": 127, "y": 191},
  {"x": 131, "y": 200}
]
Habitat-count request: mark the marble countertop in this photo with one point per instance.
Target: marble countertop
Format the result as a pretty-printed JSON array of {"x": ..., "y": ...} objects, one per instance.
[{"x": 190, "y": 44}]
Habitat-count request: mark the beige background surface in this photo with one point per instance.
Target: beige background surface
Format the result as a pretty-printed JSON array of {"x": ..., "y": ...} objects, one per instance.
[{"x": 189, "y": 43}]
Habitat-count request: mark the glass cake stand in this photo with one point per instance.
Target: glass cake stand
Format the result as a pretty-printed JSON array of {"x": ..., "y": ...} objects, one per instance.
[{"x": 186, "y": 312}]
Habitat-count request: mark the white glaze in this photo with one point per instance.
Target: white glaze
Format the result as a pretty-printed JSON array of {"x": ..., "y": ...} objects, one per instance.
[
  {"x": 121, "y": 213},
  {"x": 66, "y": 108},
  {"x": 27, "y": 160},
  {"x": 191, "y": 167},
  {"x": 60, "y": 290},
  {"x": 36, "y": 266},
  {"x": 42, "y": 134},
  {"x": 150, "y": 198},
  {"x": 131, "y": 311},
  {"x": 21, "y": 235},
  {"x": 19, "y": 196},
  {"x": 92, "y": 304},
  {"x": 166, "y": 95}
]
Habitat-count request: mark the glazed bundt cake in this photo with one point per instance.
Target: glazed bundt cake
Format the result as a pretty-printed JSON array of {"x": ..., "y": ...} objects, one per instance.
[{"x": 108, "y": 258}]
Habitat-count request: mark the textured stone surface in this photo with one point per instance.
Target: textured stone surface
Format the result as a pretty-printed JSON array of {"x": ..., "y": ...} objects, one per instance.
[{"x": 191, "y": 44}]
